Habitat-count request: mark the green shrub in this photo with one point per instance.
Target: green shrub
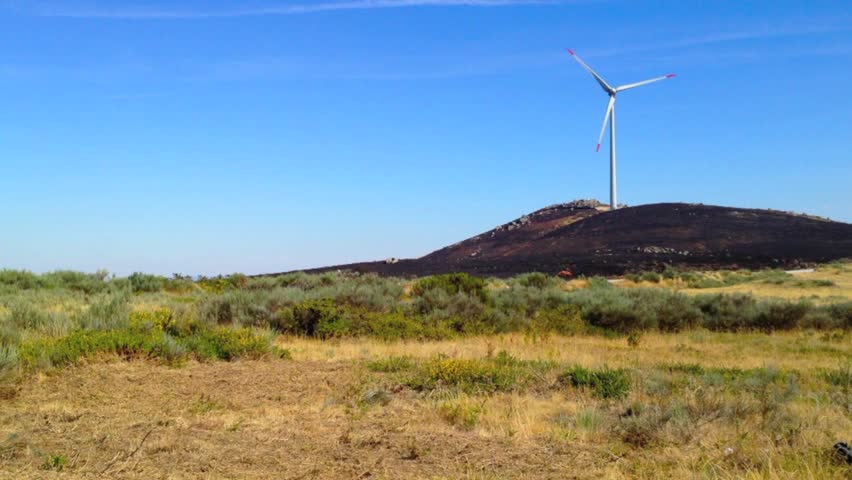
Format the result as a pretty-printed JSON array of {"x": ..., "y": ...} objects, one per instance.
[
  {"x": 652, "y": 277},
  {"x": 220, "y": 284},
  {"x": 564, "y": 320},
  {"x": 106, "y": 312},
  {"x": 20, "y": 279},
  {"x": 605, "y": 383},
  {"x": 25, "y": 316},
  {"x": 728, "y": 312},
  {"x": 318, "y": 318},
  {"x": 781, "y": 316},
  {"x": 841, "y": 313},
  {"x": 140, "y": 282},
  {"x": 470, "y": 375},
  {"x": 399, "y": 326},
  {"x": 452, "y": 284},
  {"x": 88, "y": 283},
  {"x": 225, "y": 343},
  {"x": 612, "y": 309}
]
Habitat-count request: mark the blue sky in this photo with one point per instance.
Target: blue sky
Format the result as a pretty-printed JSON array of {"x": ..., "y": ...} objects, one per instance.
[{"x": 207, "y": 137}]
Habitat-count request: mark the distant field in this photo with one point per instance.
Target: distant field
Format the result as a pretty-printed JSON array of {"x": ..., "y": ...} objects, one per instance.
[
  {"x": 336, "y": 376},
  {"x": 828, "y": 283}
]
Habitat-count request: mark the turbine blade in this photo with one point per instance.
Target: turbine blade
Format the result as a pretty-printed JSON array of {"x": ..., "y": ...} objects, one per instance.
[
  {"x": 606, "y": 120},
  {"x": 600, "y": 80},
  {"x": 644, "y": 82}
]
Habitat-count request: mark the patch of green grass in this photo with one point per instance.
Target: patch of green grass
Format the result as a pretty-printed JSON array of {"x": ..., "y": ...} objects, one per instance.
[
  {"x": 589, "y": 419},
  {"x": 56, "y": 462},
  {"x": 391, "y": 364},
  {"x": 688, "y": 368},
  {"x": 841, "y": 377},
  {"x": 222, "y": 343},
  {"x": 203, "y": 405},
  {"x": 605, "y": 383}
]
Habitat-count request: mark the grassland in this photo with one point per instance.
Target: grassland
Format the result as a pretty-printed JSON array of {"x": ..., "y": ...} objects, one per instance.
[{"x": 448, "y": 377}]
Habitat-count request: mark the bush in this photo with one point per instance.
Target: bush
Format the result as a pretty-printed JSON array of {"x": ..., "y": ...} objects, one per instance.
[
  {"x": 612, "y": 309},
  {"x": 225, "y": 343},
  {"x": 841, "y": 313},
  {"x": 781, "y": 316},
  {"x": 109, "y": 311},
  {"x": 728, "y": 312},
  {"x": 604, "y": 383},
  {"x": 88, "y": 283},
  {"x": 502, "y": 373},
  {"x": 398, "y": 326},
  {"x": 452, "y": 284},
  {"x": 652, "y": 277},
  {"x": 536, "y": 280},
  {"x": 20, "y": 279},
  {"x": 140, "y": 282},
  {"x": 318, "y": 318},
  {"x": 221, "y": 283},
  {"x": 564, "y": 320}
]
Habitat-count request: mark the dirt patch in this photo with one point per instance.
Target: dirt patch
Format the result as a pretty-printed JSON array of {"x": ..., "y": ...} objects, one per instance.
[{"x": 264, "y": 419}]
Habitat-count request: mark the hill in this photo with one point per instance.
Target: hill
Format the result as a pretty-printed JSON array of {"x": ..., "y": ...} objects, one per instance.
[{"x": 587, "y": 238}]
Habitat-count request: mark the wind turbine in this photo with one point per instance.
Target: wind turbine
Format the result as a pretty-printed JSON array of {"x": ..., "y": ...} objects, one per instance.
[{"x": 610, "y": 117}]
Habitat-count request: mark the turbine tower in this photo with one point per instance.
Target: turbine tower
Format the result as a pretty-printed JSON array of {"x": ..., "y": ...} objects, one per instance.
[{"x": 610, "y": 117}]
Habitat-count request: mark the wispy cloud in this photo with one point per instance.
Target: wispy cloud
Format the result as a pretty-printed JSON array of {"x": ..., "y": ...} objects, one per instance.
[
  {"x": 765, "y": 32},
  {"x": 135, "y": 13}
]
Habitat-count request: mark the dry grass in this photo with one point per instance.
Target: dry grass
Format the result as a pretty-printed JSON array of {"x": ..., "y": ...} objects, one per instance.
[
  {"x": 791, "y": 350},
  {"x": 315, "y": 417},
  {"x": 326, "y": 415},
  {"x": 838, "y": 273}
]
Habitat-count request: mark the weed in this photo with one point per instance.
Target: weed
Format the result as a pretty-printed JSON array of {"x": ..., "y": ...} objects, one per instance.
[
  {"x": 203, "y": 405},
  {"x": 56, "y": 462},
  {"x": 605, "y": 383},
  {"x": 589, "y": 419},
  {"x": 459, "y": 413},
  {"x": 391, "y": 364}
]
